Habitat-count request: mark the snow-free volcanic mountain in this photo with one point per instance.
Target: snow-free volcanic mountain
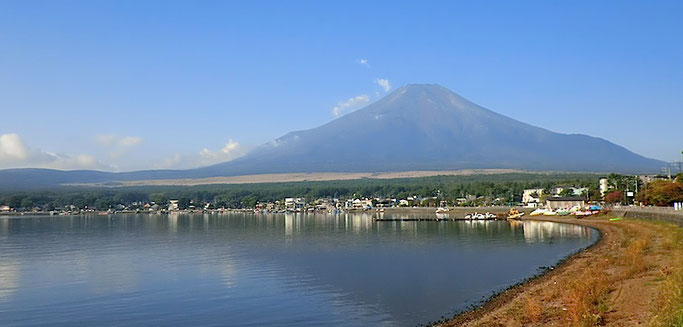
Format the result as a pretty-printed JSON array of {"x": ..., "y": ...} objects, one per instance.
[
  {"x": 428, "y": 127},
  {"x": 416, "y": 127}
]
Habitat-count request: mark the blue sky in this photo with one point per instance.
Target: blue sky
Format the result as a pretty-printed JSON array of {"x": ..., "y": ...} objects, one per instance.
[{"x": 126, "y": 85}]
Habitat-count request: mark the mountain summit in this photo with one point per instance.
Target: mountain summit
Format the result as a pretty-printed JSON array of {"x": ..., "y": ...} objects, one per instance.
[{"x": 428, "y": 127}]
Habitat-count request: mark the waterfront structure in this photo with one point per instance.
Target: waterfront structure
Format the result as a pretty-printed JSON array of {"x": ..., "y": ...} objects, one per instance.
[
  {"x": 564, "y": 202},
  {"x": 173, "y": 205},
  {"x": 532, "y": 197},
  {"x": 295, "y": 203}
]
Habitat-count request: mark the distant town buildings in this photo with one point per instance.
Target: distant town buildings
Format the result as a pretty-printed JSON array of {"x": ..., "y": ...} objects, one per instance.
[{"x": 615, "y": 189}]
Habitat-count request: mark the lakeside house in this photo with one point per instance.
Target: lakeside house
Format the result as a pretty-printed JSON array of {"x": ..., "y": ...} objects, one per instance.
[
  {"x": 532, "y": 197},
  {"x": 5, "y": 208},
  {"x": 564, "y": 202},
  {"x": 173, "y": 205},
  {"x": 294, "y": 204}
]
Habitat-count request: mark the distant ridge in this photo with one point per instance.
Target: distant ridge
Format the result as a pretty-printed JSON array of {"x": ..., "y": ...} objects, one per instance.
[{"x": 416, "y": 127}]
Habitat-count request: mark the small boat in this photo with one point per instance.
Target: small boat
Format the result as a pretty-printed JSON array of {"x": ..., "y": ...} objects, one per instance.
[
  {"x": 475, "y": 216},
  {"x": 538, "y": 212},
  {"x": 582, "y": 214},
  {"x": 562, "y": 212},
  {"x": 514, "y": 214}
]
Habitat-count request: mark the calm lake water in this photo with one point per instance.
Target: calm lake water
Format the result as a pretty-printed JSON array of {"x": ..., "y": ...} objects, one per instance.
[{"x": 261, "y": 270}]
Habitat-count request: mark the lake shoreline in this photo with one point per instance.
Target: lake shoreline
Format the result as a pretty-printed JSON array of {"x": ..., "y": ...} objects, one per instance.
[{"x": 548, "y": 298}]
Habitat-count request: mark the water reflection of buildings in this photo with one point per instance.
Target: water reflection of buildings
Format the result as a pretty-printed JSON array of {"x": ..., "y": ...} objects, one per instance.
[
  {"x": 358, "y": 222},
  {"x": 289, "y": 224},
  {"x": 539, "y": 231},
  {"x": 173, "y": 222}
]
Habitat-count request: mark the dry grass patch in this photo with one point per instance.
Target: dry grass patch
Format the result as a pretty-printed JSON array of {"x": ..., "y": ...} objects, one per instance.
[
  {"x": 586, "y": 298},
  {"x": 533, "y": 310},
  {"x": 635, "y": 256},
  {"x": 670, "y": 308}
]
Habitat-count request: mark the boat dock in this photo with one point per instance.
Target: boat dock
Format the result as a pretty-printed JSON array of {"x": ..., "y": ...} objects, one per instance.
[{"x": 431, "y": 219}]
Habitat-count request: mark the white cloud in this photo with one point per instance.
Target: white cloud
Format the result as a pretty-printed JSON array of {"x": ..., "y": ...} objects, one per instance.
[
  {"x": 105, "y": 140},
  {"x": 15, "y": 154},
  {"x": 130, "y": 141},
  {"x": 344, "y": 106},
  {"x": 111, "y": 140},
  {"x": 81, "y": 161},
  {"x": 117, "y": 146},
  {"x": 384, "y": 83},
  {"x": 231, "y": 150},
  {"x": 173, "y": 161},
  {"x": 364, "y": 62},
  {"x": 12, "y": 148}
]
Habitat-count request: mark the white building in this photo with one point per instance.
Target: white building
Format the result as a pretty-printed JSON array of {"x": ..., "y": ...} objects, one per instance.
[
  {"x": 565, "y": 202},
  {"x": 295, "y": 203},
  {"x": 604, "y": 186},
  {"x": 532, "y": 197},
  {"x": 172, "y": 205}
]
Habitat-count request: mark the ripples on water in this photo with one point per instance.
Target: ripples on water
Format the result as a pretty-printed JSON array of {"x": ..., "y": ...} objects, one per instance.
[{"x": 260, "y": 270}]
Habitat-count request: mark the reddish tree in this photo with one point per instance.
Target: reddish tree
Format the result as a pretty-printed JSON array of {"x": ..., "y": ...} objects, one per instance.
[
  {"x": 614, "y": 196},
  {"x": 662, "y": 193}
]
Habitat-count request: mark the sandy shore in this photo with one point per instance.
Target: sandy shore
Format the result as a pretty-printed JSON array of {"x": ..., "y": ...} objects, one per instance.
[{"x": 623, "y": 280}]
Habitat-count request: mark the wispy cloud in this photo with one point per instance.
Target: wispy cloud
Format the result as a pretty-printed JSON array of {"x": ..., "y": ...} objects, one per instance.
[
  {"x": 363, "y": 62},
  {"x": 230, "y": 151},
  {"x": 129, "y": 141},
  {"x": 14, "y": 154},
  {"x": 344, "y": 106},
  {"x": 384, "y": 83},
  {"x": 112, "y": 140},
  {"x": 117, "y": 145}
]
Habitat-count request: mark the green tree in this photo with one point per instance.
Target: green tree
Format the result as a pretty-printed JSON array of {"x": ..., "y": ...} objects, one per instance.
[
  {"x": 567, "y": 192},
  {"x": 26, "y": 203}
]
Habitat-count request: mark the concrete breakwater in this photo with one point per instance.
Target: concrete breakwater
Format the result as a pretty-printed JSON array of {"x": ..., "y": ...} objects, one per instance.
[{"x": 651, "y": 213}]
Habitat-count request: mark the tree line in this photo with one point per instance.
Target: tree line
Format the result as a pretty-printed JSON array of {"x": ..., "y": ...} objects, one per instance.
[{"x": 507, "y": 187}]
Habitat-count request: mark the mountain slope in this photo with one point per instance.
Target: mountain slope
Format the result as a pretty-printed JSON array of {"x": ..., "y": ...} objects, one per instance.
[{"x": 429, "y": 127}]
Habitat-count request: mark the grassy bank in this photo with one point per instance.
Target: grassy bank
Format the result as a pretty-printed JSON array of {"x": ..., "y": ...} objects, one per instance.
[{"x": 633, "y": 276}]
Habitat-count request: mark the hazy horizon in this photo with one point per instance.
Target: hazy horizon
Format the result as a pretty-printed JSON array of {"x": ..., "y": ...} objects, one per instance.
[{"x": 125, "y": 86}]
